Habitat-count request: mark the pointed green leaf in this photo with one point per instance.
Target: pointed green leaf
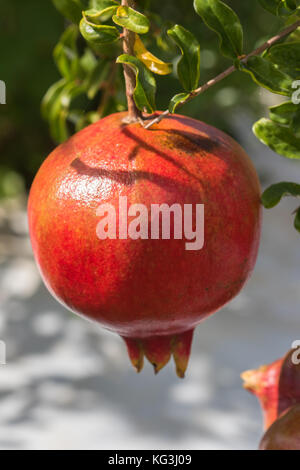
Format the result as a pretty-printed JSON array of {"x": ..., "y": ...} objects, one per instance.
[
  {"x": 177, "y": 100},
  {"x": 283, "y": 113},
  {"x": 273, "y": 195},
  {"x": 51, "y": 96},
  {"x": 55, "y": 107},
  {"x": 297, "y": 220},
  {"x": 278, "y": 138},
  {"x": 100, "y": 16},
  {"x": 265, "y": 74},
  {"x": 132, "y": 20},
  {"x": 286, "y": 54},
  {"x": 188, "y": 68},
  {"x": 223, "y": 20},
  {"x": 58, "y": 126},
  {"x": 97, "y": 35},
  {"x": 59, "y": 112},
  {"x": 66, "y": 54},
  {"x": 105, "y": 8},
  {"x": 144, "y": 93}
]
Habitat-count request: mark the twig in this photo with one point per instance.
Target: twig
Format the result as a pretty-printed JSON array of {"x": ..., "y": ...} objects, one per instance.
[
  {"x": 134, "y": 114},
  {"x": 229, "y": 71}
]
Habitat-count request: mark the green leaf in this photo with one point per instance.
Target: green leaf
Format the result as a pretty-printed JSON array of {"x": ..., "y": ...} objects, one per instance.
[
  {"x": 286, "y": 54},
  {"x": 55, "y": 107},
  {"x": 273, "y": 195},
  {"x": 291, "y": 4},
  {"x": 60, "y": 110},
  {"x": 266, "y": 74},
  {"x": 105, "y": 8},
  {"x": 100, "y": 16},
  {"x": 270, "y": 5},
  {"x": 144, "y": 92},
  {"x": 279, "y": 7},
  {"x": 295, "y": 126},
  {"x": 278, "y": 138},
  {"x": 71, "y": 9},
  {"x": 132, "y": 20},
  {"x": 58, "y": 126},
  {"x": 65, "y": 53},
  {"x": 283, "y": 113},
  {"x": 51, "y": 96},
  {"x": 177, "y": 100},
  {"x": 97, "y": 35},
  {"x": 297, "y": 220},
  {"x": 287, "y": 7},
  {"x": 223, "y": 20},
  {"x": 188, "y": 68}
]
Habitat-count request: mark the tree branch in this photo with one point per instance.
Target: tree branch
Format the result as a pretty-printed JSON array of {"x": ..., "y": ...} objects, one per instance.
[
  {"x": 229, "y": 71},
  {"x": 134, "y": 114}
]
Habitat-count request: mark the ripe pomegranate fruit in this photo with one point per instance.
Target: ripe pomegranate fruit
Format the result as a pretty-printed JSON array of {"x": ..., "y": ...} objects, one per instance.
[
  {"x": 284, "y": 434},
  {"x": 152, "y": 292},
  {"x": 277, "y": 386}
]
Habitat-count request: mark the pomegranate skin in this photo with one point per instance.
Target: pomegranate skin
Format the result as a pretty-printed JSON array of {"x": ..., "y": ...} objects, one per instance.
[
  {"x": 284, "y": 434},
  {"x": 144, "y": 289},
  {"x": 277, "y": 386}
]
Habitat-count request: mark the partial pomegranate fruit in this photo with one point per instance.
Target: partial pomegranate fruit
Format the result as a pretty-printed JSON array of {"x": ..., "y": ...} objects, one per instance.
[
  {"x": 277, "y": 386},
  {"x": 284, "y": 434},
  {"x": 152, "y": 291}
]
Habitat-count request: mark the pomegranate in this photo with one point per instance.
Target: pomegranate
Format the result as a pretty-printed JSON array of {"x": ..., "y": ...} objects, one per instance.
[
  {"x": 151, "y": 291},
  {"x": 284, "y": 434},
  {"x": 277, "y": 386}
]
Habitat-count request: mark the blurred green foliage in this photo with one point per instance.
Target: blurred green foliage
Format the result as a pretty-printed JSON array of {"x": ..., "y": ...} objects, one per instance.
[{"x": 29, "y": 31}]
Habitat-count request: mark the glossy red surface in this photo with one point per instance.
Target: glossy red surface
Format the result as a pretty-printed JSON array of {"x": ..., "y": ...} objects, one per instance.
[
  {"x": 142, "y": 288},
  {"x": 284, "y": 434}
]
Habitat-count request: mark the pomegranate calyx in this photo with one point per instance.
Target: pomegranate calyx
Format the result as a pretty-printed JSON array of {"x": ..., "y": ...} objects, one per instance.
[
  {"x": 253, "y": 379},
  {"x": 159, "y": 349}
]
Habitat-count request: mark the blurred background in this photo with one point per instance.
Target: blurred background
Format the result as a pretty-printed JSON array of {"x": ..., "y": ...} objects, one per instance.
[{"x": 66, "y": 385}]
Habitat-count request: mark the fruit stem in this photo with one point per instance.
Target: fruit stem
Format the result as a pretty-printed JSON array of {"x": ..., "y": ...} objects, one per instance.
[{"x": 134, "y": 114}]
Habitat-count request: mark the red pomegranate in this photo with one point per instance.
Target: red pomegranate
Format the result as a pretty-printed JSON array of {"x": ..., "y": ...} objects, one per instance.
[
  {"x": 284, "y": 434},
  {"x": 151, "y": 291},
  {"x": 277, "y": 386}
]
